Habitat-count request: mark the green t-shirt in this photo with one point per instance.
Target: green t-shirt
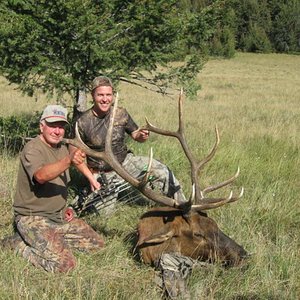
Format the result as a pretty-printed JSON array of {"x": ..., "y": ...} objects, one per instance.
[{"x": 34, "y": 199}]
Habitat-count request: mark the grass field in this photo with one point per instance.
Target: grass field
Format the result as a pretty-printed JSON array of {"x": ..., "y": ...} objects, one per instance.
[{"x": 254, "y": 99}]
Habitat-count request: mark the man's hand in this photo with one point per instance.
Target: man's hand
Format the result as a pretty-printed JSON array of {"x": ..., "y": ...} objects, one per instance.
[
  {"x": 77, "y": 157},
  {"x": 95, "y": 185},
  {"x": 69, "y": 214},
  {"x": 140, "y": 135}
]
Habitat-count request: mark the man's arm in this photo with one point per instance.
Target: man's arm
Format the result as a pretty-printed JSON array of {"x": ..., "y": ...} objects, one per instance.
[
  {"x": 83, "y": 168},
  {"x": 50, "y": 171}
]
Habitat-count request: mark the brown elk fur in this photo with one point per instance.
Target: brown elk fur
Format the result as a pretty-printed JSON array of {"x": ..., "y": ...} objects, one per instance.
[{"x": 168, "y": 230}]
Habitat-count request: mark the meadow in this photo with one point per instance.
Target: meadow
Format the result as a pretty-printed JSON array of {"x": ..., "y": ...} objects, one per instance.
[{"x": 254, "y": 99}]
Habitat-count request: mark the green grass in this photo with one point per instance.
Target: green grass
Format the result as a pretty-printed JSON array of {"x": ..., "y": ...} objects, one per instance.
[{"x": 254, "y": 100}]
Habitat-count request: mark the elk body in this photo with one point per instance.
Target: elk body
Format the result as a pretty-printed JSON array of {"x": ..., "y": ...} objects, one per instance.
[{"x": 181, "y": 228}]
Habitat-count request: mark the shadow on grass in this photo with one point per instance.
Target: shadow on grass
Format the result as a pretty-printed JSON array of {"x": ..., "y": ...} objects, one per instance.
[{"x": 131, "y": 240}]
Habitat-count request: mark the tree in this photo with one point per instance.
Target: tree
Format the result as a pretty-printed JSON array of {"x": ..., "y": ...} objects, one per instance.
[
  {"x": 211, "y": 27},
  {"x": 59, "y": 46},
  {"x": 253, "y": 24},
  {"x": 285, "y": 34}
]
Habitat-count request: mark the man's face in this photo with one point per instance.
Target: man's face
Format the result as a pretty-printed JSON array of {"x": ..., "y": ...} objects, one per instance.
[
  {"x": 103, "y": 97},
  {"x": 52, "y": 133}
]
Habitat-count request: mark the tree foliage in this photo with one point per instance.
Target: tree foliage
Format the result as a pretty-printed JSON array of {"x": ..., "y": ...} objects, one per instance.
[
  {"x": 60, "y": 46},
  {"x": 249, "y": 25},
  {"x": 267, "y": 25},
  {"x": 285, "y": 16},
  {"x": 13, "y": 130}
]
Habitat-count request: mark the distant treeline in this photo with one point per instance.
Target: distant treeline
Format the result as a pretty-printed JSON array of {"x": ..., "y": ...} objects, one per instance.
[{"x": 246, "y": 25}]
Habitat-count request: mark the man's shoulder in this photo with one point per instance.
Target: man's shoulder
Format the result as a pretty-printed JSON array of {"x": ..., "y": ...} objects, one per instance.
[
  {"x": 86, "y": 118},
  {"x": 36, "y": 144},
  {"x": 86, "y": 115},
  {"x": 33, "y": 143},
  {"x": 33, "y": 148},
  {"x": 121, "y": 111}
]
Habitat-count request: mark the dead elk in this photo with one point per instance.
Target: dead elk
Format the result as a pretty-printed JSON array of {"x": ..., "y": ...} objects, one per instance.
[{"x": 181, "y": 228}]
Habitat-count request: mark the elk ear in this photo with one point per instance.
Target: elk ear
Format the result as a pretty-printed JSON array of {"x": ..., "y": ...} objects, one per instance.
[{"x": 157, "y": 239}]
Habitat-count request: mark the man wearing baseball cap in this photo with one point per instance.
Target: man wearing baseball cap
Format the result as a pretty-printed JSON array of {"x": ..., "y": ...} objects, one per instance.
[
  {"x": 93, "y": 125},
  {"x": 46, "y": 230}
]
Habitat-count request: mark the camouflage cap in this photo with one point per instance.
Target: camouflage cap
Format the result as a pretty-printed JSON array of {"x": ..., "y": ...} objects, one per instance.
[
  {"x": 55, "y": 113},
  {"x": 101, "y": 81}
]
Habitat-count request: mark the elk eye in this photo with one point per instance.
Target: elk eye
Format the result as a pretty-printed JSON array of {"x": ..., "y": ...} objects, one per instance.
[{"x": 198, "y": 234}]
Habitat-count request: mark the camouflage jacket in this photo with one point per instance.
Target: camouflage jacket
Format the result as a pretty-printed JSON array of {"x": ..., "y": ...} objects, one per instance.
[{"x": 93, "y": 130}]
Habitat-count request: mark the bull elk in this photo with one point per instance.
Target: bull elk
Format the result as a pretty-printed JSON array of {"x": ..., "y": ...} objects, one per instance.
[{"x": 177, "y": 227}]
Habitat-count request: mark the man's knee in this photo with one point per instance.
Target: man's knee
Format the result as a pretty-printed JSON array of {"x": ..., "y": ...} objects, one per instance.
[
  {"x": 87, "y": 238},
  {"x": 66, "y": 264}
]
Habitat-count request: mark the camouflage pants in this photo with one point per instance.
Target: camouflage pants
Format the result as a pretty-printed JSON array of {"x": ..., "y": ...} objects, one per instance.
[
  {"x": 49, "y": 245},
  {"x": 161, "y": 177},
  {"x": 174, "y": 270}
]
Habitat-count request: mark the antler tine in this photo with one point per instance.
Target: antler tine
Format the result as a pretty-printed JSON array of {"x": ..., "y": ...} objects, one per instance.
[
  {"x": 210, "y": 203},
  {"x": 160, "y": 131},
  {"x": 221, "y": 184},
  {"x": 193, "y": 194},
  {"x": 212, "y": 151},
  {"x": 241, "y": 193},
  {"x": 239, "y": 196},
  {"x": 178, "y": 134},
  {"x": 180, "y": 103}
]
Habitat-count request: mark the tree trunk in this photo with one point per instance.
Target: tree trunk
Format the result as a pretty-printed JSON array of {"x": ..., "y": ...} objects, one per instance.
[{"x": 81, "y": 104}]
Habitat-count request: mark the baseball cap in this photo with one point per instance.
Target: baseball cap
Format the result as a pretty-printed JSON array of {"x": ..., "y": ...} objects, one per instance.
[
  {"x": 101, "y": 81},
  {"x": 55, "y": 113}
]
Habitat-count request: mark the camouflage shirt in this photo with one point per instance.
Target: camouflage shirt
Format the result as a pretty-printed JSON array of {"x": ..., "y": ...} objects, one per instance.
[{"x": 93, "y": 130}]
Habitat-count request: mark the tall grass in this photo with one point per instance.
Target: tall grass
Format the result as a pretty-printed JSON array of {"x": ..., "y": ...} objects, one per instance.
[{"x": 254, "y": 101}]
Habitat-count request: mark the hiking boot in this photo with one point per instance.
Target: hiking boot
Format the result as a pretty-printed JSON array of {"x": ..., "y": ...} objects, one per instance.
[{"x": 11, "y": 242}]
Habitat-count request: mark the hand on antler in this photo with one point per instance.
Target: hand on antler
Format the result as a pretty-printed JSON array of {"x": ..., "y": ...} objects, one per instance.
[
  {"x": 140, "y": 135},
  {"x": 77, "y": 157}
]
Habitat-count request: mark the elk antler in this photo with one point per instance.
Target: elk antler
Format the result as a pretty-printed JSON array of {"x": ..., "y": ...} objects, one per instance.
[
  {"x": 202, "y": 202},
  {"x": 109, "y": 158}
]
